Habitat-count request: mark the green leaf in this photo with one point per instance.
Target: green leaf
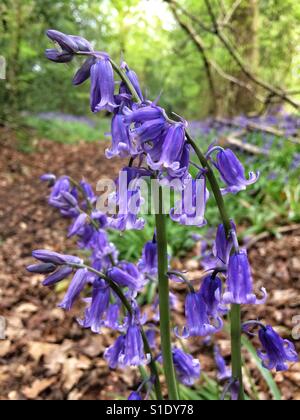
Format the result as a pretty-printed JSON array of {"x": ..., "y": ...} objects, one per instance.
[{"x": 267, "y": 375}]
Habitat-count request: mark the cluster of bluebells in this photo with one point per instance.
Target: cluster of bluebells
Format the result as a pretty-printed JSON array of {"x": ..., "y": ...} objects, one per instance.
[{"x": 157, "y": 147}]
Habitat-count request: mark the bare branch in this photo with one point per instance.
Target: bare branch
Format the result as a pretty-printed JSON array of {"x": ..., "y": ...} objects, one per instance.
[
  {"x": 193, "y": 18},
  {"x": 201, "y": 48},
  {"x": 250, "y": 126},
  {"x": 231, "y": 13},
  {"x": 233, "y": 140}
]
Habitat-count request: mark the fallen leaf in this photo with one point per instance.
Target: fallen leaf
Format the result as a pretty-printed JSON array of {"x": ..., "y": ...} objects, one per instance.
[
  {"x": 38, "y": 386},
  {"x": 4, "y": 348}
]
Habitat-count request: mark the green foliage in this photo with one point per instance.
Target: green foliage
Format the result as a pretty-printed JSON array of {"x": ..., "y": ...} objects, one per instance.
[
  {"x": 153, "y": 44},
  {"x": 68, "y": 132},
  {"x": 130, "y": 243}
]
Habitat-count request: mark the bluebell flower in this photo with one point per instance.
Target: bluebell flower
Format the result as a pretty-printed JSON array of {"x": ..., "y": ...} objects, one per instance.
[
  {"x": 128, "y": 350},
  {"x": 151, "y": 337},
  {"x": 94, "y": 314},
  {"x": 211, "y": 292},
  {"x": 187, "y": 368},
  {"x": 57, "y": 276},
  {"x": 100, "y": 218},
  {"x": 232, "y": 172},
  {"x": 59, "y": 57},
  {"x": 102, "y": 86},
  {"x": 113, "y": 317},
  {"x": 170, "y": 176},
  {"x": 197, "y": 319},
  {"x": 54, "y": 257},
  {"x": 88, "y": 191},
  {"x": 172, "y": 150},
  {"x": 75, "y": 288},
  {"x": 50, "y": 178},
  {"x": 113, "y": 353},
  {"x": 133, "y": 353},
  {"x": 135, "y": 396},
  {"x": 275, "y": 352},
  {"x": 143, "y": 114},
  {"x": 149, "y": 132},
  {"x": 64, "y": 197},
  {"x": 132, "y": 76},
  {"x": 84, "y": 73},
  {"x": 149, "y": 262},
  {"x": 239, "y": 288},
  {"x": 78, "y": 224},
  {"x": 103, "y": 249},
  {"x": 66, "y": 42},
  {"x": 224, "y": 372},
  {"x": 82, "y": 43},
  {"x": 223, "y": 244},
  {"x": 127, "y": 275},
  {"x": 44, "y": 268},
  {"x": 121, "y": 141},
  {"x": 190, "y": 210}
]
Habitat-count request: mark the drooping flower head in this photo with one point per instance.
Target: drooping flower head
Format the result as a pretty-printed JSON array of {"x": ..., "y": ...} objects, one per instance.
[
  {"x": 113, "y": 353},
  {"x": 197, "y": 318},
  {"x": 223, "y": 244},
  {"x": 275, "y": 352},
  {"x": 64, "y": 196},
  {"x": 127, "y": 275},
  {"x": 135, "y": 396},
  {"x": 211, "y": 292},
  {"x": 68, "y": 45},
  {"x": 76, "y": 286},
  {"x": 84, "y": 73},
  {"x": 187, "y": 368},
  {"x": 128, "y": 350},
  {"x": 134, "y": 80},
  {"x": 121, "y": 141},
  {"x": 240, "y": 282},
  {"x": 170, "y": 177},
  {"x": 148, "y": 264},
  {"x": 232, "y": 172},
  {"x": 102, "y": 86},
  {"x": 172, "y": 149},
  {"x": 94, "y": 314}
]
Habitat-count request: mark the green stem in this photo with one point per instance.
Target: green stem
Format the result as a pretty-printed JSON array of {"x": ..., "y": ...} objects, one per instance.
[
  {"x": 235, "y": 317},
  {"x": 164, "y": 299},
  {"x": 125, "y": 79},
  {"x": 236, "y": 345},
  {"x": 128, "y": 307}
]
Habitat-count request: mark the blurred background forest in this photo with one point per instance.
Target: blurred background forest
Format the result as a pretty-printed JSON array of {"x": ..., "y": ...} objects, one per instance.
[
  {"x": 232, "y": 69},
  {"x": 264, "y": 33}
]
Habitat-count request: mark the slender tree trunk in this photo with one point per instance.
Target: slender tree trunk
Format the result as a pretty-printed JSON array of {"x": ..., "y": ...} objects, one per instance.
[{"x": 246, "y": 28}]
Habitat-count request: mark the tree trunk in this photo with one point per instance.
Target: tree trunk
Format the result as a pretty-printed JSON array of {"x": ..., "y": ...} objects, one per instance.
[{"x": 245, "y": 24}]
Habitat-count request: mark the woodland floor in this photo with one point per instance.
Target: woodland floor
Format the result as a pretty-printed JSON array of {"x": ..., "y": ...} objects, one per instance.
[{"x": 47, "y": 355}]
